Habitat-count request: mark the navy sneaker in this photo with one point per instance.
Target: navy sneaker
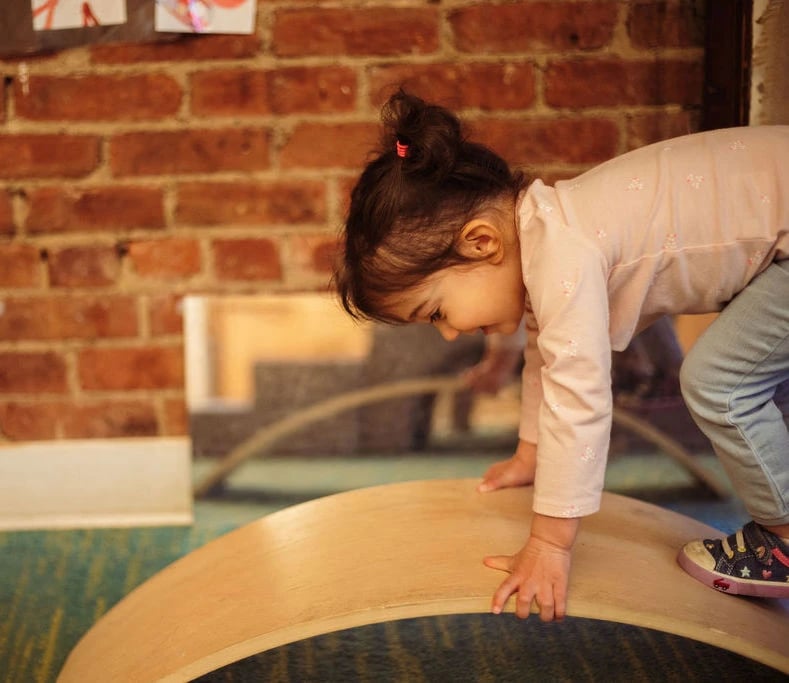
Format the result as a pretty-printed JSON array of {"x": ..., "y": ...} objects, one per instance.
[{"x": 752, "y": 561}]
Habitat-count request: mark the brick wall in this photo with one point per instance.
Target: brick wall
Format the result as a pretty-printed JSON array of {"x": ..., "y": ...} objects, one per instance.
[{"x": 132, "y": 175}]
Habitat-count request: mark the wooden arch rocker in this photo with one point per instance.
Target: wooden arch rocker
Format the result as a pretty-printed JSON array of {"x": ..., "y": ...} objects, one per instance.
[
  {"x": 265, "y": 437},
  {"x": 399, "y": 551},
  {"x": 405, "y": 550}
]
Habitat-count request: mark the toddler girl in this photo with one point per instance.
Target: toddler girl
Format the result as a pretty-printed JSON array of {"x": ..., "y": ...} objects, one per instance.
[{"x": 441, "y": 231}]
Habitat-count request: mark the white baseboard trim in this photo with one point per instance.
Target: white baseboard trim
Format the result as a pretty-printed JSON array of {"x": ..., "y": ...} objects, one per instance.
[{"x": 96, "y": 483}]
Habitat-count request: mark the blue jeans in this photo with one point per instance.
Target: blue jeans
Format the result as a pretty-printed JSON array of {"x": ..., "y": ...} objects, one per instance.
[{"x": 732, "y": 379}]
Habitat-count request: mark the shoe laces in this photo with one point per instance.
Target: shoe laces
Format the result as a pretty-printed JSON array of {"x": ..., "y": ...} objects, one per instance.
[{"x": 763, "y": 544}]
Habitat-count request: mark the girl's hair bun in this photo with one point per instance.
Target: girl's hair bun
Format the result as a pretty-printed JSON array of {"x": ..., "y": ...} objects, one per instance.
[{"x": 433, "y": 134}]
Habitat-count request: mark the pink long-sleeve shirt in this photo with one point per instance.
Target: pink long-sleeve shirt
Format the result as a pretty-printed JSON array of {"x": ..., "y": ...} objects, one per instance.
[{"x": 676, "y": 227}]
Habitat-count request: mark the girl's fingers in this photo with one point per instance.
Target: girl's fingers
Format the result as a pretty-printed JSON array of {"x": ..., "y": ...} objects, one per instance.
[
  {"x": 499, "y": 476},
  {"x": 500, "y": 562},
  {"x": 502, "y": 594},
  {"x": 524, "y": 603},
  {"x": 508, "y": 587},
  {"x": 561, "y": 606},
  {"x": 546, "y": 608},
  {"x": 488, "y": 485},
  {"x": 493, "y": 479},
  {"x": 550, "y": 605}
]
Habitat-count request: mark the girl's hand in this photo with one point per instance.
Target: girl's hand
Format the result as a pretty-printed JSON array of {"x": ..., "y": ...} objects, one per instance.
[
  {"x": 517, "y": 471},
  {"x": 540, "y": 571}
]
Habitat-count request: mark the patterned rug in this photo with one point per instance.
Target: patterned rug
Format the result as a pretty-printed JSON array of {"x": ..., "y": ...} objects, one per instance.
[{"x": 486, "y": 648}]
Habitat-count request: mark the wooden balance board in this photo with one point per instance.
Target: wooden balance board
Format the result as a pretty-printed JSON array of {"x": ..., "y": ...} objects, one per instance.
[{"x": 398, "y": 551}]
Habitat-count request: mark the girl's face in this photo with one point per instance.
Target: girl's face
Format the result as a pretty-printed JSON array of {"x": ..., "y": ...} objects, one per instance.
[{"x": 468, "y": 298}]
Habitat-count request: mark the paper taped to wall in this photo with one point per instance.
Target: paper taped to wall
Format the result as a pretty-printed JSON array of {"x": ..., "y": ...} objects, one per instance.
[
  {"x": 205, "y": 16},
  {"x": 59, "y": 14}
]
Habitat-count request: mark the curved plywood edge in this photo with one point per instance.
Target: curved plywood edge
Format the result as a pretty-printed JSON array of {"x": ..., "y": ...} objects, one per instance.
[
  {"x": 265, "y": 437},
  {"x": 398, "y": 551}
]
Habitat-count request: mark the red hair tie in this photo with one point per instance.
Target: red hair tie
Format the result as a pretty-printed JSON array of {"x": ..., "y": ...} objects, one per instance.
[{"x": 402, "y": 149}]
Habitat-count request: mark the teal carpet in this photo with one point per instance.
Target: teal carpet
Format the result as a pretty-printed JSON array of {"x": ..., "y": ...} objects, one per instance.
[{"x": 55, "y": 585}]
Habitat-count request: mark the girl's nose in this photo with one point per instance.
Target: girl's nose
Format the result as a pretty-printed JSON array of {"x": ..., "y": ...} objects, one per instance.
[{"x": 447, "y": 331}]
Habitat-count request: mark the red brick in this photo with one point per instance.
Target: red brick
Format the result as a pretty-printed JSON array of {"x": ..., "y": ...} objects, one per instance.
[
  {"x": 72, "y": 209},
  {"x": 357, "y": 31},
  {"x": 84, "y": 266},
  {"x": 176, "y": 418},
  {"x": 230, "y": 92},
  {"x": 325, "y": 255},
  {"x": 329, "y": 145},
  {"x": 344, "y": 189},
  {"x": 644, "y": 129},
  {"x": 110, "y": 419},
  {"x": 68, "y": 317},
  {"x": 38, "y": 156},
  {"x": 96, "y": 419},
  {"x": 7, "y": 226},
  {"x": 185, "y": 48},
  {"x": 189, "y": 151},
  {"x": 156, "y": 367},
  {"x": 533, "y": 142},
  {"x": 32, "y": 372},
  {"x": 533, "y": 26},
  {"x": 31, "y": 421},
  {"x": 477, "y": 85},
  {"x": 244, "y": 92},
  {"x": 247, "y": 259},
  {"x": 98, "y": 98},
  {"x": 616, "y": 82},
  {"x": 20, "y": 265},
  {"x": 165, "y": 314},
  {"x": 314, "y": 90},
  {"x": 315, "y": 253},
  {"x": 251, "y": 203},
  {"x": 665, "y": 24},
  {"x": 166, "y": 259}
]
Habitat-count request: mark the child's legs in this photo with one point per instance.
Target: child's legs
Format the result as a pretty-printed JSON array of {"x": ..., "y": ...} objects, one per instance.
[{"x": 729, "y": 380}]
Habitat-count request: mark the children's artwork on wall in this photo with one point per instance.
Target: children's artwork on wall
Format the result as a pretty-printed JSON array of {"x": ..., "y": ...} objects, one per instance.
[
  {"x": 206, "y": 16},
  {"x": 51, "y": 15},
  {"x": 21, "y": 35}
]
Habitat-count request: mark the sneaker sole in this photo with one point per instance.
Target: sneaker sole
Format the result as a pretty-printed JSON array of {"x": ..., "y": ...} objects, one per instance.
[{"x": 724, "y": 583}]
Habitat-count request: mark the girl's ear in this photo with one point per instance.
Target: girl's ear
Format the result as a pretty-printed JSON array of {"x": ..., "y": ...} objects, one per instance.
[{"x": 480, "y": 240}]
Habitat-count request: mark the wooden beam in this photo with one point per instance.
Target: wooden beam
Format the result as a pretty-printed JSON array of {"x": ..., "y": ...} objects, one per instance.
[{"x": 727, "y": 63}]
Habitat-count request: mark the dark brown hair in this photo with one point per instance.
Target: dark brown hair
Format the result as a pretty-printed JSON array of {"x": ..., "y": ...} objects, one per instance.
[{"x": 406, "y": 211}]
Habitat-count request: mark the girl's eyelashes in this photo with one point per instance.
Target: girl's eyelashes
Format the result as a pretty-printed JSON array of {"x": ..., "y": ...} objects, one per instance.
[{"x": 435, "y": 316}]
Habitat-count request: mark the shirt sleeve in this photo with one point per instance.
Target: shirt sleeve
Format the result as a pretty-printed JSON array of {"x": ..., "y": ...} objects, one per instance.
[
  {"x": 567, "y": 289},
  {"x": 531, "y": 385}
]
